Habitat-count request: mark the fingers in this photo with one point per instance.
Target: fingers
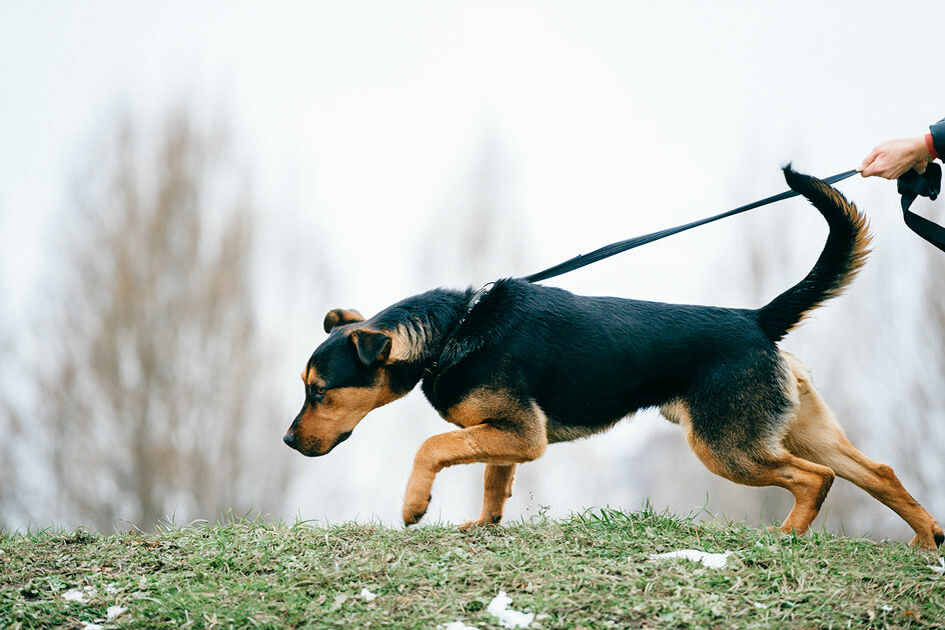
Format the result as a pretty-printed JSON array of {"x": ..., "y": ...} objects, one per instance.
[
  {"x": 919, "y": 166},
  {"x": 892, "y": 158},
  {"x": 865, "y": 166}
]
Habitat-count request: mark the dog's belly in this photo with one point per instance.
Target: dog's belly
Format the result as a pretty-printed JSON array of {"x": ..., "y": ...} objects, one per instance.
[{"x": 565, "y": 433}]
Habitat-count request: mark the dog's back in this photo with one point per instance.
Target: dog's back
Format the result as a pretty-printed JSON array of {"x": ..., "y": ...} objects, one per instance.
[{"x": 589, "y": 361}]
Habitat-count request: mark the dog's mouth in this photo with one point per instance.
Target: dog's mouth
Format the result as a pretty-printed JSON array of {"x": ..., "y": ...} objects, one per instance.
[
  {"x": 313, "y": 450},
  {"x": 341, "y": 438}
]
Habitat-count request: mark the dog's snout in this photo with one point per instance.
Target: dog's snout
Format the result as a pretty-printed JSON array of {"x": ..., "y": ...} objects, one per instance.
[{"x": 289, "y": 438}]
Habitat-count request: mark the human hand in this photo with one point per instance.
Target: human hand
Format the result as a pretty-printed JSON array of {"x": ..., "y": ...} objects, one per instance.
[{"x": 892, "y": 158}]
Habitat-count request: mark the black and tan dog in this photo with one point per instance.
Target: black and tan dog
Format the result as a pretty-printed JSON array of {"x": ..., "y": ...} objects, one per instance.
[{"x": 530, "y": 365}]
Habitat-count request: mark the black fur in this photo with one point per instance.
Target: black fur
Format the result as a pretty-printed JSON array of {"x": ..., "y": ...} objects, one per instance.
[
  {"x": 589, "y": 361},
  {"x": 528, "y": 364},
  {"x": 836, "y": 266}
]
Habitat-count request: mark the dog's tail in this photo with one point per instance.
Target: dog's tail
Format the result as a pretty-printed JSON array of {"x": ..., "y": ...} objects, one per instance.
[{"x": 843, "y": 255}]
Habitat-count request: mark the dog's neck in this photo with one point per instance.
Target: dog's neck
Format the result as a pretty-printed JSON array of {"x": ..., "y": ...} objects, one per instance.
[{"x": 420, "y": 326}]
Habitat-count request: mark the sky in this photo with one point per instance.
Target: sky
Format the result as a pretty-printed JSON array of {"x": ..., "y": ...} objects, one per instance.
[{"x": 360, "y": 123}]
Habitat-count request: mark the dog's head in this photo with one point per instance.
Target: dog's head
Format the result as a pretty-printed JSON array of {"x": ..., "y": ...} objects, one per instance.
[{"x": 346, "y": 377}]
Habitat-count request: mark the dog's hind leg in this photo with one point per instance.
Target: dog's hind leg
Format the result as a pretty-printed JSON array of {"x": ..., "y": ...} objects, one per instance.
[
  {"x": 809, "y": 482},
  {"x": 815, "y": 435},
  {"x": 734, "y": 420},
  {"x": 497, "y": 487}
]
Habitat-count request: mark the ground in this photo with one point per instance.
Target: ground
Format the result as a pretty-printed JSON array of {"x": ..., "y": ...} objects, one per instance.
[{"x": 590, "y": 571}]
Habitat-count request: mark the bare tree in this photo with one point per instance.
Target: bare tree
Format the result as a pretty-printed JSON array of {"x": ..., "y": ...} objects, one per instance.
[
  {"x": 153, "y": 387},
  {"x": 10, "y": 432},
  {"x": 919, "y": 419},
  {"x": 477, "y": 235}
]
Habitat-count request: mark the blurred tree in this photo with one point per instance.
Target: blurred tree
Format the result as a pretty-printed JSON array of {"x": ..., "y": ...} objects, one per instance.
[
  {"x": 476, "y": 236},
  {"x": 153, "y": 389},
  {"x": 919, "y": 418},
  {"x": 9, "y": 434}
]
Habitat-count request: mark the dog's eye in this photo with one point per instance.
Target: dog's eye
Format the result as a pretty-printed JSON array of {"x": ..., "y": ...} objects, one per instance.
[{"x": 319, "y": 392}]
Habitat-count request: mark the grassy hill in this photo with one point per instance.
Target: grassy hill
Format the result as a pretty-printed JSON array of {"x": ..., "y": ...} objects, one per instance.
[{"x": 591, "y": 571}]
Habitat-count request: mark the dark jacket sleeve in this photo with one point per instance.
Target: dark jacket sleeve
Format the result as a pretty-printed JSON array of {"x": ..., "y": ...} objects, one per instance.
[{"x": 938, "y": 137}]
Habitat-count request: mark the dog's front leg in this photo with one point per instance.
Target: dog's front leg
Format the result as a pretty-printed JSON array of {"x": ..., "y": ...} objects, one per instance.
[
  {"x": 501, "y": 443},
  {"x": 497, "y": 487}
]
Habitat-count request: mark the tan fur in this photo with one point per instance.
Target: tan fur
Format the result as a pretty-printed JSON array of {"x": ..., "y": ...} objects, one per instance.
[
  {"x": 341, "y": 316},
  {"x": 482, "y": 405},
  {"x": 807, "y": 481},
  {"x": 676, "y": 412},
  {"x": 814, "y": 449},
  {"x": 497, "y": 488},
  {"x": 406, "y": 344},
  {"x": 340, "y": 411},
  {"x": 815, "y": 434},
  {"x": 310, "y": 377},
  {"x": 508, "y": 440}
]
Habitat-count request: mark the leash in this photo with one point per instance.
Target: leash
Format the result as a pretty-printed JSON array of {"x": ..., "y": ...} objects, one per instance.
[
  {"x": 582, "y": 260},
  {"x": 910, "y": 185}
]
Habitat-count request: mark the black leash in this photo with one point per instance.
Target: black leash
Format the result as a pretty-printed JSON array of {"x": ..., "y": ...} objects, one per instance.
[
  {"x": 910, "y": 186},
  {"x": 582, "y": 260}
]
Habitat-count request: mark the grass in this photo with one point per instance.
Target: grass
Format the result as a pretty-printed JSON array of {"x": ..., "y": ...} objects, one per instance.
[{"x": 589, "y": 571}]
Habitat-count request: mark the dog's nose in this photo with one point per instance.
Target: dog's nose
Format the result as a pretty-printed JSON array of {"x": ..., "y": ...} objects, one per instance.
[{"x": 289, "y": 438}]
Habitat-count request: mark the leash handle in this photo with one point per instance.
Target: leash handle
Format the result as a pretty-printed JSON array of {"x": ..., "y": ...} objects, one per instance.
[
  {"x": 929, "y": 184},
  {"x": 582, "y": 260}
]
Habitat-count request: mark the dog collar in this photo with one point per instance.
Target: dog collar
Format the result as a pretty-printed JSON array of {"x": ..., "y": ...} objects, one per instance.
[{"x": 476, "y": 298}]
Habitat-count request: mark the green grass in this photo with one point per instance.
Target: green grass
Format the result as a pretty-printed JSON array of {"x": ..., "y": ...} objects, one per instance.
[{"x": 590, "y": 571}]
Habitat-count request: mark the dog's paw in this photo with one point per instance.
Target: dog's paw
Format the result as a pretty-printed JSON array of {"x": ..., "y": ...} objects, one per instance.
[
  {"x": 490, "y": 522},
  {"x": 932, "y": 541},
  {"x": 414, "y": 511}
]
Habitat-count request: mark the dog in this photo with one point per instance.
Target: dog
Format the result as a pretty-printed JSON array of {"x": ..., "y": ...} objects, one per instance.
[{"x": 522, "y": 365}]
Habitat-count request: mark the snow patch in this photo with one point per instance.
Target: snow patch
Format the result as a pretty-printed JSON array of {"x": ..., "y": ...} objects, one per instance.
[
  {"x": 711, "y": 560},
  {"x": 81, "y": 596},
  {"x": 498, "y": 607},
  {"x": 114, "y": 612}
]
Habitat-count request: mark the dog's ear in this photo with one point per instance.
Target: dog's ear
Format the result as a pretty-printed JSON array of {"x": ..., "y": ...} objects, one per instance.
[
  {"x": 341, "y": 316},
  {"x": 371, "y": 346}
]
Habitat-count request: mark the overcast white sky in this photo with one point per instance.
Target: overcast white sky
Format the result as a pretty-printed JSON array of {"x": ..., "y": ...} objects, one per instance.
[{"x": 611, "y": 118}]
